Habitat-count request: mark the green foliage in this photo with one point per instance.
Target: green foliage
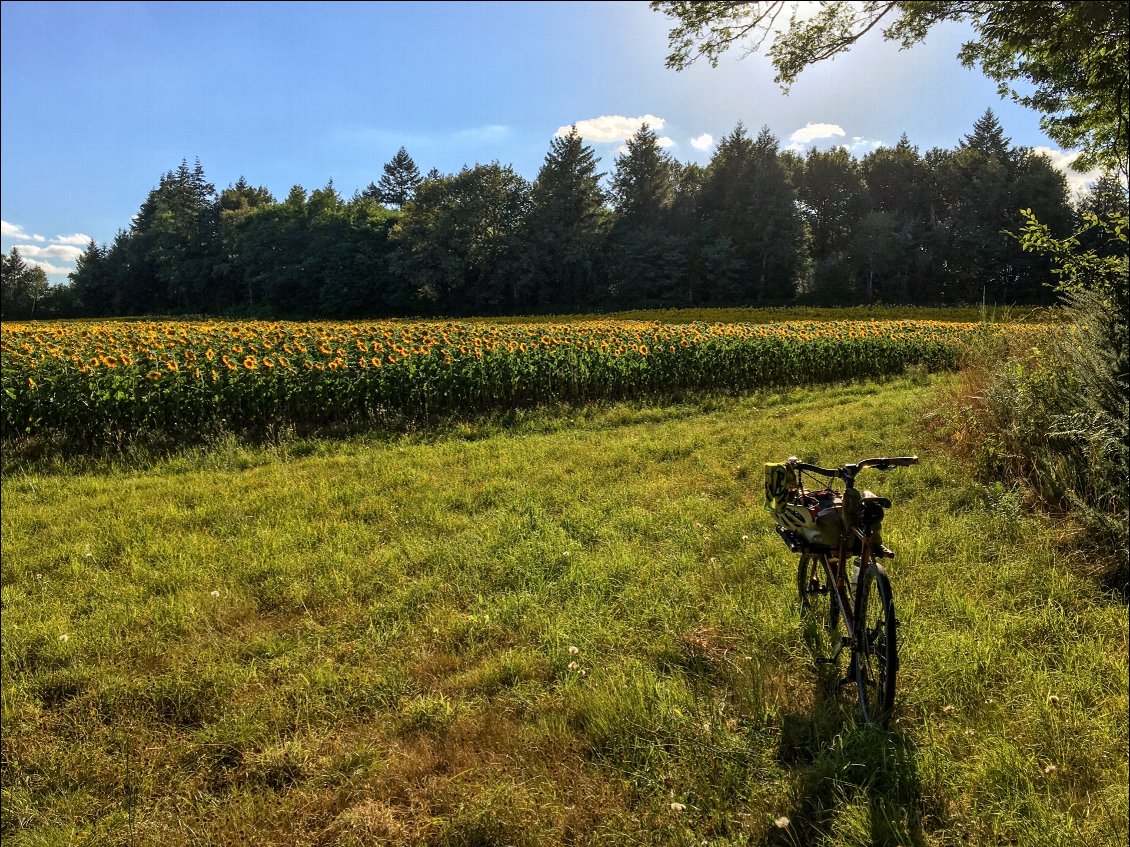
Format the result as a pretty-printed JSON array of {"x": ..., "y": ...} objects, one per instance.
[
  {"x": 755, "y": 226},
  {"x": 1056, "y": 418},
  {"x": 457, "y": 240}
]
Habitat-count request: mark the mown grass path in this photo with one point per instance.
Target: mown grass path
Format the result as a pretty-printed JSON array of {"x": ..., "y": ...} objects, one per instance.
[{"x": 371, "y": 642}]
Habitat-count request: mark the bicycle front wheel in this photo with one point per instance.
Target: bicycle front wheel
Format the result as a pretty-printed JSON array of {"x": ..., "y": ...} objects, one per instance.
[{"x": 876, "y": 648}]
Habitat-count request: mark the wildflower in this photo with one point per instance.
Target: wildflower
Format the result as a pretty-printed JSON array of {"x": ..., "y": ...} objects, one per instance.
[
  {"x": 1050, "y": 769},
  {"x": 948, "y": 710},
  {"x": 573, "y": 650},
  {"x": 250, "y": 363},
  {"x": 215, "y": 593},
  {"x": 573, "y": 666},
  {"x": 782, "y": 822},
  {"x": 678, "y": 807},
  {"x": 64, "y": 638},
  {"x": 154, "y": 375}
]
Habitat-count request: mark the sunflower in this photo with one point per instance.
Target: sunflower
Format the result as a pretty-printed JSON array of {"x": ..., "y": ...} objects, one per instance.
[{"x": 249, "y": 363}]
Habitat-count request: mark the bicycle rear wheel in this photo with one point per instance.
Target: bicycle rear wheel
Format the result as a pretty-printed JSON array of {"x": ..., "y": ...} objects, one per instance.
[
  {"x": 876, "y": 647},
  {"x": 818, "y": 605}
]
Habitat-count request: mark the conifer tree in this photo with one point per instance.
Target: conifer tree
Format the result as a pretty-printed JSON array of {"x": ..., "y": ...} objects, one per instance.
[
  {"x": 398, "y": 184},
  {"x": 565, "y": 225}
]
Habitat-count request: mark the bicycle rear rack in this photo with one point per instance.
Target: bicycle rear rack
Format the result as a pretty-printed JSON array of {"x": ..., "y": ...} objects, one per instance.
[{"x": 798, "y": 545}]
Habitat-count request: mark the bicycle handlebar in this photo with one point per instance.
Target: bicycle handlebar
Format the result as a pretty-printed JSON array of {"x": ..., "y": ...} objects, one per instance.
[{"x": 848, "y": 472}]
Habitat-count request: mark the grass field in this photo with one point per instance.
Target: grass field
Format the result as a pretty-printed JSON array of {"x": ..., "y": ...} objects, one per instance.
[{"x": 371, "y": 641}]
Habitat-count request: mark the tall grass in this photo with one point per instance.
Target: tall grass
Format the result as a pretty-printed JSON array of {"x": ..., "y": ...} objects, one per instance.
[
  {"x": 1052, "y": 421},
  {"x": 572, "y": 629}
]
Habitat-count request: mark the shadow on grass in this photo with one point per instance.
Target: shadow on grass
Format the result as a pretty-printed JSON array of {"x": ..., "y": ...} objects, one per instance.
[{"x": 852, "y": 782}]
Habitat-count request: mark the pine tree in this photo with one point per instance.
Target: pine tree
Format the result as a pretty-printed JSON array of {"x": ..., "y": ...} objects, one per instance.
[
  {"x": 398, "y": 184},
  {"x": 987, "y": 137},
  {"x": 565, "y": 227},
  {"x": 647, "y": 261},
  {"x": 643, "y": 184}
]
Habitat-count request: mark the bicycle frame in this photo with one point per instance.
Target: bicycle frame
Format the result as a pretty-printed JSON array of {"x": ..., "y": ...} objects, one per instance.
[{"x": 835, "y": 569}]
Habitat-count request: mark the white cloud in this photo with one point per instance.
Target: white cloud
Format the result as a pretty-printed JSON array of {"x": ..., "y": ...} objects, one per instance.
[
  {"x": 811, "y": 132},
  {"x": 12, "y": 230},
  {"x": 664, "y": 141},
  {"x": 611, "y": 127},
  {"x": 1062, "y": 160},
  {"x": 623, "y": 150},
  {"x": 703, "y": 142},
  {"x": 55, "y": 255},
  {"x": 78, "y": 239},
  {"x": 48, "y": 268},
  {"x": 66, "y": 252}
]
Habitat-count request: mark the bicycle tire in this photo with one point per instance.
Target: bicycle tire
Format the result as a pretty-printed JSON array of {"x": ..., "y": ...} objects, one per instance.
[
  {"x": 875, "y": 653},
  {"x": 818, "y": 602}
]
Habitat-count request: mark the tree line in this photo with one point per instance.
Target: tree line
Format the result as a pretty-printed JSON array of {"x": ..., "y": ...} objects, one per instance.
[{"x": 756, "y": 226}]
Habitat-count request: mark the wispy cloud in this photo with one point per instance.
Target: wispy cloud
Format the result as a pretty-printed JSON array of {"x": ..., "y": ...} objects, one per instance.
[
  {"x": 703, "y": 142},
  {"x": 490, "y": 132},
  {"x": 78, "y": 239},
  {"x": 612, "y": 128},
  {"x": 66, "y": 252},
  {"x": 50, "y": 269}
]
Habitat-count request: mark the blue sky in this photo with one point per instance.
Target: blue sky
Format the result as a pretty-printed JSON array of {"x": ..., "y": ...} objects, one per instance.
[{"x": 100, "y": 99}]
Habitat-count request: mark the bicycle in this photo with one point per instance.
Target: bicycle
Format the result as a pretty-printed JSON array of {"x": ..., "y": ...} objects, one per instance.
[{"x": 827, "y": 528}]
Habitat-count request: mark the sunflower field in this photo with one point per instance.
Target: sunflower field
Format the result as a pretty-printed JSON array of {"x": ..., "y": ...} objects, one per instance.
[{"x": 92, "y": 380}]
